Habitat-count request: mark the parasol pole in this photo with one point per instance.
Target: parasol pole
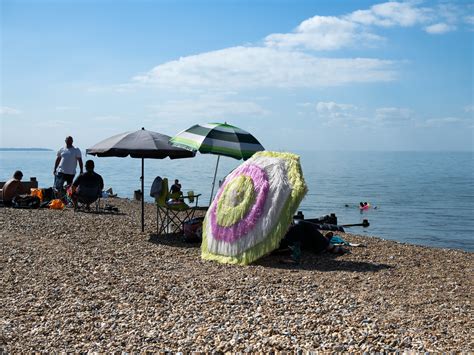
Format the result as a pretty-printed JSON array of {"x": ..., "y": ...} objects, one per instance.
[
  {"x": 214, "y": 181},
  {"x": 143, "y": 195},
  {"x": 365, "y": 223}
]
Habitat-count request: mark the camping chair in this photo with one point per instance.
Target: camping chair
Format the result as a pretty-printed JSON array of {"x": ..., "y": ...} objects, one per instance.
[
  {"x": 172, "y": 211},
  {"x": 87, "y": 195}
]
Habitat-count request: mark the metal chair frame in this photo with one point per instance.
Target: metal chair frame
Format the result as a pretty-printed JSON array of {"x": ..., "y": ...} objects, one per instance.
[
  {"x": 83, "y": 206},
  {"x": 85, "y": 201},
  {"x": 171, "y": 220}
]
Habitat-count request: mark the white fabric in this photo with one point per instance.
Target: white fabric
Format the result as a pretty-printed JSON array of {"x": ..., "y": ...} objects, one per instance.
[
  {"x": 219, "y": 127},
  {"x": 68, "y": 162},
  {"x": 278, "y": 194},
  {"x": 200, "y": 139}
]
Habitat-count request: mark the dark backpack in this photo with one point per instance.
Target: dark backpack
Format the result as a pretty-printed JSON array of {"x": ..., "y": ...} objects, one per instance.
[
  {"x": 156, "y": 187},
  {"x": 48, "y": 194},
  {"x": 26, "y": 201}
]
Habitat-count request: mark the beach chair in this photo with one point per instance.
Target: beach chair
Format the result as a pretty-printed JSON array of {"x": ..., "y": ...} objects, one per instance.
[
  {"x": 172, "y": 211},
  {"x": 86, "y": 195}
]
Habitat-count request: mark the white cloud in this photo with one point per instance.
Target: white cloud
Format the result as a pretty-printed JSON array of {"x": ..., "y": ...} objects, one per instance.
[
  {"x": 334, "y": 110},
  {"x": 393, "y": 115},
  {"x": 207, "y": 109},
  {"x": 469, "y": 108},
  {"x": 469, "y": 19},
  {"x": 357, "y": 28},
  {"x": 285, "y": 60},
  {"x": 331, "y": 113},
  {"x": 52, "y": 124},
  {"x": 108, "y": 118},
  {"x": 119, "y": 88},
  {"x": 390, "y": 14},
  {"x": 450, "y": 13},
  {"x": 439, "y": 28},
  {"x": 65, "y": 108},
  {"x": 322, "y": 33},
  {"x": 305, "y": 104},
  {"x": 334, "y": 114},
  {"x": 444, "y": 121},
  {"x": 8, "y": 111},
  {"x": 253, "y": 67},
  {"x": 354, "y": 29}
]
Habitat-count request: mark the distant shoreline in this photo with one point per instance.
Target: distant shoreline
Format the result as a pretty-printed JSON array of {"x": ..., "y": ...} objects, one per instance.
[{"x": 25, "y": 150}]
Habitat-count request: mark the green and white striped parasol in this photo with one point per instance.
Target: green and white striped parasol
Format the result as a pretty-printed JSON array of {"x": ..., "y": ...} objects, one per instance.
[{"x": 220, "y": 139}]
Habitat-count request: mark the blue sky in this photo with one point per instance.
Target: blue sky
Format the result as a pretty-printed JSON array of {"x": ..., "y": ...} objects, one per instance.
[{"x": 299, "y": 75}]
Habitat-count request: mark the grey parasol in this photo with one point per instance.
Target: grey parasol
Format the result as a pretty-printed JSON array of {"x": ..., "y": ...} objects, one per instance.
[{"x": 139, "y": 144}]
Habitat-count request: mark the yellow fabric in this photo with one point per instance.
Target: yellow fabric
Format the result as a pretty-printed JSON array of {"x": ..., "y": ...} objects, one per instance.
[
  {"x": 191, "y": 199},
  {"x": 236, "y": 200},
  {"x": 163, "y": 196},
  {"x": 174, "y": 195}
]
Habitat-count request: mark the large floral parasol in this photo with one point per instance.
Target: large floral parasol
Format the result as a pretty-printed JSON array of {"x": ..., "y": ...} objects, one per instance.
[{"x": 253, "y": 208}]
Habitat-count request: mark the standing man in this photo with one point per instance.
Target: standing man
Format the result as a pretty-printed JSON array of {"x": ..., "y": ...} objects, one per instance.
[{"x": 65, "y": 164}]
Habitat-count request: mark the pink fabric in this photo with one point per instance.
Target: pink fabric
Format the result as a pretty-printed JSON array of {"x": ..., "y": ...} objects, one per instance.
[{"x": 241, "y": 228}]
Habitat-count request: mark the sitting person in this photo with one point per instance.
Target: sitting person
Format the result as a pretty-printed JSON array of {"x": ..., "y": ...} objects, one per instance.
[
  {"x": 109, "y": 193},
  {"x": 13, "y": 187},
  {"x": 175, "y": 190},
  {"x": 176, "y": 187},
  {"x": 87, "y": 187}
]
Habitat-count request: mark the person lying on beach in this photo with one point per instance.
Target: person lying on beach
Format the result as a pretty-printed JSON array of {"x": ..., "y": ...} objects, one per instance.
[
  {"x": 109, "y": 193},
  {"x": 306, "y": 236},
  {"x": 12, "y": 188}
]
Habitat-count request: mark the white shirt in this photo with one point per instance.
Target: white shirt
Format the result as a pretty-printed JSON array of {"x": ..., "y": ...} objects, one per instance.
[{"x": 69, "y": 157}]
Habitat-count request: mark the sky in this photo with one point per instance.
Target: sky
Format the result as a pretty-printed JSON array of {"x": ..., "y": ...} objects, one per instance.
[{"x": 299, "y": 75}]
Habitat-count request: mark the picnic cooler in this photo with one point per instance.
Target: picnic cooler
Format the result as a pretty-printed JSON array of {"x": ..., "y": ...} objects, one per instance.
[{"x": 192, "y": 229}]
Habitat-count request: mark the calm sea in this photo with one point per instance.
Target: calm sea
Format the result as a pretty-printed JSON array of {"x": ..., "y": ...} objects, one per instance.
[{"x": 421, "y": 198}]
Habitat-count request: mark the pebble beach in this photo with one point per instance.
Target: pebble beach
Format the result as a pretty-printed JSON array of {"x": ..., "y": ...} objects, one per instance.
[{"x": 87, "y": 282}]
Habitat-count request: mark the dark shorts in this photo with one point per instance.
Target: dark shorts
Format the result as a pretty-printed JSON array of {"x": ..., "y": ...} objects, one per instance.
[{"x": 62, "y": 178}]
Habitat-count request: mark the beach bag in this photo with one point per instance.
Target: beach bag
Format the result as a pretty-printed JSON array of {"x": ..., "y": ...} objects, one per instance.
[
  {"x": 56, "y": 204},
  {"x": 26, "y": 201},
  {"x": 192, "y": 229},
  {"x": 38, "y": 193},
  {"x": 48, "y": 194},
  {"x": 156, "y": 187}
]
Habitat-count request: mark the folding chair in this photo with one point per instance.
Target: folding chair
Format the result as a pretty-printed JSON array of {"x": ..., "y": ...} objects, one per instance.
[
  {"x": 172, "y": 211},
  {"x": 86, "y": 196}
]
